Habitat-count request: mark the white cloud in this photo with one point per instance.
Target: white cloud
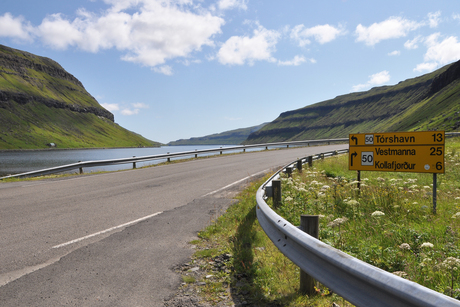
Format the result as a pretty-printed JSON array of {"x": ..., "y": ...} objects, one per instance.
[
  {"x": 426, "y": 66},
  {"x": 165, "y": 69},
  {"x": 140, "y": 105},
  {"x": 15, "y": 27},
  {"x": 413, "y": 43},
  {"x": 111, "y": 106},
  {"x": 321, "y": 33},
  {"x": 296, "y": 61},
  {"x": 375, "y": 79},
  {"x": 129, "y": 112},
  {"x": 133, "y": 109},
  {"x": 434, "y": 19},
  {"x": 238, "y": 50},
  {"x": 149, "y": 32},
  {"x": 394, "y": 53},
  {"x": 232, "y": 4},
  {"x": 393, "y": 27},
  {"x": 439, "y": 52}
]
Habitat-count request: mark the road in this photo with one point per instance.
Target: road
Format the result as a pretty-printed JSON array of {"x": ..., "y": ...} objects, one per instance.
[{"x": 111, "y": 239}]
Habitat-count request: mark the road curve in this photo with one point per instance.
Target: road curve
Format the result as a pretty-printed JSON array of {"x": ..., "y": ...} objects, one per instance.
[{"x": 111, "y": 239}]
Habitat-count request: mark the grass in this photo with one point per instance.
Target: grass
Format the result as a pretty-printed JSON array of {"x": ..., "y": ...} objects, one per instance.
[
  {"x": 260, "y": 274},
  {"x": 389, "y": 224}
]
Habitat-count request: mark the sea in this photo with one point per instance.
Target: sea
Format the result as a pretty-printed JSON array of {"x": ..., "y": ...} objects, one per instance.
[{"x": 17, "y": 162}]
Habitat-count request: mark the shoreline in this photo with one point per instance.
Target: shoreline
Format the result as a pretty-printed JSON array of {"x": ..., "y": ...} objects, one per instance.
[{"x": 63, "y": 149}]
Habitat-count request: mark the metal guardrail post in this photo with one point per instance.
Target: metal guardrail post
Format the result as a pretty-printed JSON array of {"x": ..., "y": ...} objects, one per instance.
[
  {"x": 276, "y": 186},
  {"x": 310, "y": 225},
  {"x": 81, "y": 168},
  {"x": 299, "y": 165},
  {"x": 310, "y": 161},
  {"x": 134, "y": 163},
  {"x": 289, "y": 171}
]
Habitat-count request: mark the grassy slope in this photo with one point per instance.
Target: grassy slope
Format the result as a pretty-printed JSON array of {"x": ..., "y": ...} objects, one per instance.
[
  {"x": 232, "y": 137},
  {"x": 32, "y": 124},
  {"x": 406, "y": 106}
]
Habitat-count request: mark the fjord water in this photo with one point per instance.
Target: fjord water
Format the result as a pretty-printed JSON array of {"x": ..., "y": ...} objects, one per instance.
[{"x": 16, "y": 162}]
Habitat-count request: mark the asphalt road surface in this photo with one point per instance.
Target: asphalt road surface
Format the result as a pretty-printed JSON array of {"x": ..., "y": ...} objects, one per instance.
[{"x": 111, "y": 239}]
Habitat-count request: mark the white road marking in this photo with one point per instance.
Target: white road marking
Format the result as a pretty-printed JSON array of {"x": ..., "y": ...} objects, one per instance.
[
  {"x": 236, "y": 182},
  {"x": 107, "y": 230}
]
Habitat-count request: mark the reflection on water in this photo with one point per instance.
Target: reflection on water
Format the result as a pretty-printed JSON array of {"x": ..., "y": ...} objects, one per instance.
[{"x": 25, "y": 161}]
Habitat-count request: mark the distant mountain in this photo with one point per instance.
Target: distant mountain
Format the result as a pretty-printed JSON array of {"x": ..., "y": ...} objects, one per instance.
[
  {"x": 233, "y": 137},
  {"x": 428, "y": 102},
  {"x": 41, "y": 103}
]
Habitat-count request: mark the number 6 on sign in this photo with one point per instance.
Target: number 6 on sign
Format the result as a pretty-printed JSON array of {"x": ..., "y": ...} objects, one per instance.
[{"x": 367, "y": 158}]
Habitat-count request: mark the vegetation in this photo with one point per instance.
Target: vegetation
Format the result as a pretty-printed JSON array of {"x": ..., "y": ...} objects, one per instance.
[
  {"x": 389, "y": 223},
  {"x": 232, "y": 137},
  {"x": 428, "y": 102},
  {"x": 41, "y": 103}
]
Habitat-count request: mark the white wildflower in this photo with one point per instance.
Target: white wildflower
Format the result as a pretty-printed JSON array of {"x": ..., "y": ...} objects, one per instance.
[
  {"x": 288, "y": 199},
  {"x": 456, "y": 215},
  {"x": 451, "y": 263},
  {"x": 337, "y": 222},
  {"x": 404, "y": 246},
  {"x": 427, "y": 245},
  {"x": 352, "y": 202},
  {"x": 377, "y": 213},
  {"x": 325, "y": 187}
]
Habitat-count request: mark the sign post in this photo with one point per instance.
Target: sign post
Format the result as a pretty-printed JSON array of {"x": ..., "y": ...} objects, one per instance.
[{"x": 419, "y": 152}]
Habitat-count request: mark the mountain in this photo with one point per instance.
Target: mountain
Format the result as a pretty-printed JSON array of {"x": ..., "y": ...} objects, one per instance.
[
  {"x": 41, "y": 103},
  {"x": 232, "y": 137},
  {"x": 428, "y": 102}
]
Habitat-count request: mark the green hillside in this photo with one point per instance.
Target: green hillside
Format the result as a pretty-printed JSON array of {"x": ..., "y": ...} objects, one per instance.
[
  {"x": 428, "y": 102},
  {"x": 41, "y": 103},
  {"x": 232, "y": 137}
]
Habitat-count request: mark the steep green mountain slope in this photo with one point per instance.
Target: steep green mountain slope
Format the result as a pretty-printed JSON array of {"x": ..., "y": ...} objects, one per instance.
[
  {"x": 41, "y": 103},
  {"x": 428, "y": 102},
  {"x": 232, "y": 137}
]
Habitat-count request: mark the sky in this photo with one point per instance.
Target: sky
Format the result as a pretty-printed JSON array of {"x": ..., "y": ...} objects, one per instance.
[{"x": 175, "y": 69}]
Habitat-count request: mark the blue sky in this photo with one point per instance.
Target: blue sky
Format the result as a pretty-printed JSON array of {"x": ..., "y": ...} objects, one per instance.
[{"x": 171, "y": 69}]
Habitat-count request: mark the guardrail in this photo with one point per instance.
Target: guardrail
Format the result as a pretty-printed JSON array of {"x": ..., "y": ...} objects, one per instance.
[
  {"x": 81, "y": 165},
  {"x": 358, "y": 282}
]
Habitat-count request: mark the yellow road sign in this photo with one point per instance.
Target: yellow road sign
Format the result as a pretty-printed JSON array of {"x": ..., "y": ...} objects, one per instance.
[
  {"x": 420, "y": 152},
  {"x": 398, "y": 138}
]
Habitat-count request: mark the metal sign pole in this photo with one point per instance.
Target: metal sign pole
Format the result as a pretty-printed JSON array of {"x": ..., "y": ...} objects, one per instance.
[{"x": 435, "y": 183}]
